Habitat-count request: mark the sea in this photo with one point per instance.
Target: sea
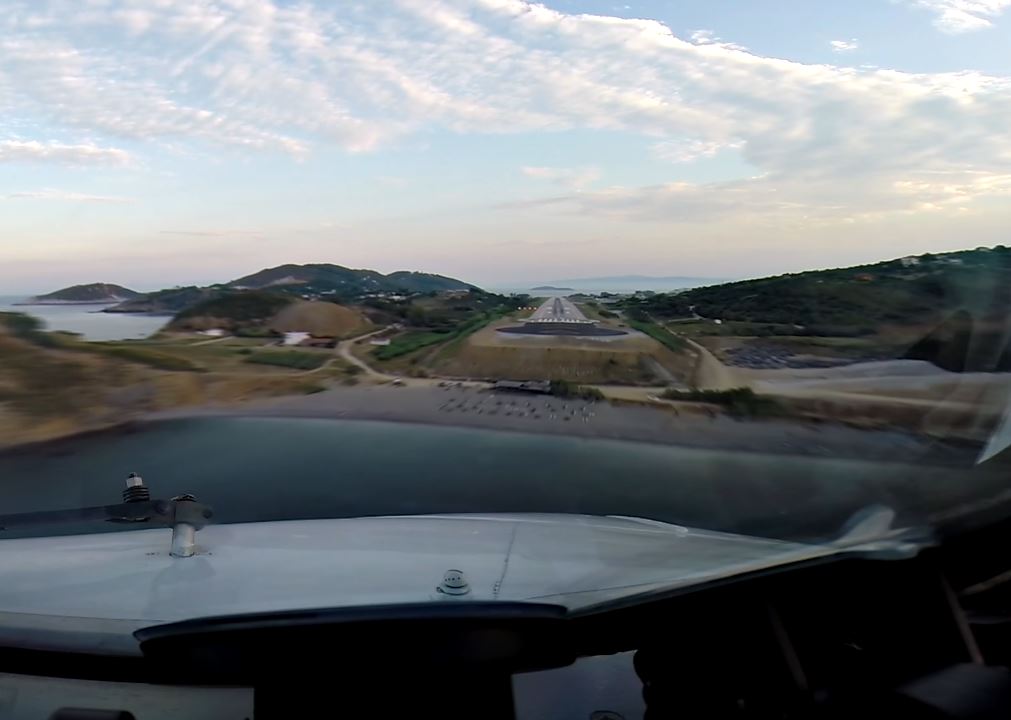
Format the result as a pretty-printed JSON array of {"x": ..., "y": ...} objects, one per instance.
[
  {"x": 88, "y": 320},
  {"x": 260, "y": 469}
]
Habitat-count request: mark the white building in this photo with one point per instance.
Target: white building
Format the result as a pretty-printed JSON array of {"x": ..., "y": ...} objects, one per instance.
[{"x": 294, "y": 338}]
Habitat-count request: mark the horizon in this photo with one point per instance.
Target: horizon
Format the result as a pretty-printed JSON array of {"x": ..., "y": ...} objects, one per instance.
[
  {"x": 504, "y": 286},
  {"x": 490, "y": 140}
]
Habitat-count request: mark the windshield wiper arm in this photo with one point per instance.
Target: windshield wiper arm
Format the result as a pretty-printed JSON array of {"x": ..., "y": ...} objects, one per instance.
[{"x": 182, "y": 513}]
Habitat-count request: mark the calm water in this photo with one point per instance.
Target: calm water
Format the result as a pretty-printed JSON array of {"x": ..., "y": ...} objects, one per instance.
[
  {"x": 87, "y": 320},
  {"x": 276, "y": 469}
]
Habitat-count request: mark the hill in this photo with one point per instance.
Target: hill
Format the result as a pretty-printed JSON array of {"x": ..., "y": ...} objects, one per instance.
[
  {"x": 165, "y": 302},
  {"x": 321, "y": 319},
  {"x": 854, "y": 300},
  {"x": 231, "y": 311},
  {"x": 949, "y": 309},
  {"x": 327, "y": 279},
  {"x": 92, "y": 293}
]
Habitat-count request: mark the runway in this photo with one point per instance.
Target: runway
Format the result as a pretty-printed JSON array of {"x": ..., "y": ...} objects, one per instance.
[{"x": 560, "y": 316}]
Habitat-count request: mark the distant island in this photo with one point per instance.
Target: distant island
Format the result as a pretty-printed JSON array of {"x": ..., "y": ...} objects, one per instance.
[
  {"x": 91, "y": 294},
  {"x": 626, "y": 283}
]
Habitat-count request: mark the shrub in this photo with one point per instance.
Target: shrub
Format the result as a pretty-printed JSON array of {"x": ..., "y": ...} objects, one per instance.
[
  {"x": 661, "y": 335},
  {"x": 740, "y": 402},
  {"x": 294, "y": 359},
  {"x": 143, "y": 356},
  {"x": 567, "y": 389}
]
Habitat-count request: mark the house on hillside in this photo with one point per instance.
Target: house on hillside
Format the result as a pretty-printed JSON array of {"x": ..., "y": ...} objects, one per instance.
[
  {"x": 381, "y": 342},
  {"x": 909, "y": 261}
]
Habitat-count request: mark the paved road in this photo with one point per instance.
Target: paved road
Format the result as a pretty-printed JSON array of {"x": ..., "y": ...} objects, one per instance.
[{"x": 557, "y": 309}]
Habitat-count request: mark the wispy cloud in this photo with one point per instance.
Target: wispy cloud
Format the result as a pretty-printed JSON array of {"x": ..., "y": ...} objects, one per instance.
[
  {"x": 291, "y": 77},
  {"x": 844, "y": 46},
  {"x": 960, "y": 16},
  {"x": 708, "y": 37},
  {"x": 572, "y": 178},
  {"x": 213, "y": 233},
  {"x": 685, "y": 151},
  {"x": 65, "y": 196},
  {"x": 81, "y": 154}
]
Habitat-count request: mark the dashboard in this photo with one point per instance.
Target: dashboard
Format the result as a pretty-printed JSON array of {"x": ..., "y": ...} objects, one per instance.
[{"x": 925, "y": 636}]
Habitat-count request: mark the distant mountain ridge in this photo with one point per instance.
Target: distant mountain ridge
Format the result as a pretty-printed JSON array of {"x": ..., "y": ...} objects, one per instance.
[
  {"x": 628, "y": 283},
  {"x": 92, "y": 293},
  {"x": 337, "y": 279},
  {"x": 324, "y": 280}
]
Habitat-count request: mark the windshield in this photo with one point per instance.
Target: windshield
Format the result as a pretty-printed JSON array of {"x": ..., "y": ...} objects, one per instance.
[{"x": 311, "y": 304}]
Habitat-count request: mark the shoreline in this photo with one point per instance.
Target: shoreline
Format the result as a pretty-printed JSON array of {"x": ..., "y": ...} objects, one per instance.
[
  {"x": 475, "y": 407},
  {"x": 472, "y": 408}
]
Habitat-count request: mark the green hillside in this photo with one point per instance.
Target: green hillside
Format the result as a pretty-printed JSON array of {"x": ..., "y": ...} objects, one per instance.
[
  {"x": 165, "y": 302},
  {"x": 851, "y": 301},
  {"x": 325, "y": 278}
]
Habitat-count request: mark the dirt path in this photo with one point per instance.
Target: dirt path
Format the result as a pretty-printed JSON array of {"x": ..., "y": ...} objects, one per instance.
[
  {"x": 709, "y": 373},
  {"x": 211, "y": 341},
  {"x": 343, "y": 350}
]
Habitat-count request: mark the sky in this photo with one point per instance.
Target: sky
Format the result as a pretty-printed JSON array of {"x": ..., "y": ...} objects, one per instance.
[{"x": 163, "y": 142}]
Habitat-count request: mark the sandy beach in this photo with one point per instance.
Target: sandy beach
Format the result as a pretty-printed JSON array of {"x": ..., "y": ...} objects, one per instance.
[{"x": 478, "y": 407}]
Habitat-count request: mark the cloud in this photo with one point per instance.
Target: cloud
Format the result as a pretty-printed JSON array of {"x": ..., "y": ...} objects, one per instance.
[
  {"x": 685, "y": 151},
  {"x": 83, "y": 154},
  {"x": 844, "y": 46},
  {"x": 261, "y": 76},
  {"x": 572, "y": 178},
  {"x": 707, "y": 37},
  {"x": 65, "y": 196},
  {"x": 960, "y": 16},
  {"x": 216, "y": 233}
]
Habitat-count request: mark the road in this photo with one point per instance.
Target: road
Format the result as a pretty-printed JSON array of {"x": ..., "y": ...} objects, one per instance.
[
  {"x": 343, "y": 350},
  {"x": 558, "y": 309}
]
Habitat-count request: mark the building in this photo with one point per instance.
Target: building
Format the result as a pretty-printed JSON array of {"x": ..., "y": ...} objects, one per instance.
[
  {"x": 909, "y": 261},
  {"x": 294, "y": 338},
  {"x": 381, "y": 342}
]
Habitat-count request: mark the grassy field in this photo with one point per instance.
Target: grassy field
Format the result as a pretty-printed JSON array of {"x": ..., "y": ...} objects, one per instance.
[
  {"x": 631, "y": 360},
  {"x": 411, "y": 342},
  {"x": 292, "y": 359},
  {"x": 660, "y": 334},
  {"x": 54, "y": 384}
]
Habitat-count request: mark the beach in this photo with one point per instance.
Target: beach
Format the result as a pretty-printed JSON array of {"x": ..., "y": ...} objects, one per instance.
[{"x": 476, "y": 406}]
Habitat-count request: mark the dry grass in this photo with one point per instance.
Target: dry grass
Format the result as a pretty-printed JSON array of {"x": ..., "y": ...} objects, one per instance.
[
  {"x": 622, "y": 361},
  {"x": 323, "y": 319},
  {"x": 535, "y": 363},
  {"x": 51, "y": 392}
]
